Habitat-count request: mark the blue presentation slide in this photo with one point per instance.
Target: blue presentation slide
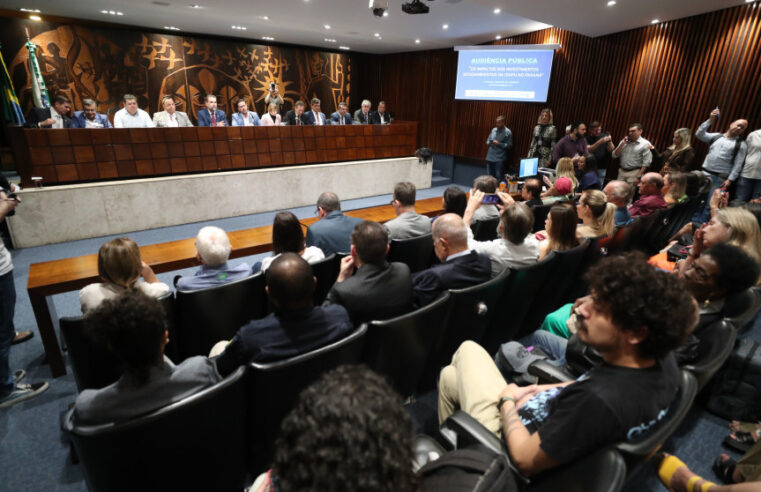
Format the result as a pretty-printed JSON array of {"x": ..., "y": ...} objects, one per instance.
[{"x": 504, "y": 75}]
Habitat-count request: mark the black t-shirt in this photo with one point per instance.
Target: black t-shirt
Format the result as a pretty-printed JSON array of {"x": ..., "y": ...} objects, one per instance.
[
  {"x": 602, "y": 156},
  {"x": 606, "y": 405}
]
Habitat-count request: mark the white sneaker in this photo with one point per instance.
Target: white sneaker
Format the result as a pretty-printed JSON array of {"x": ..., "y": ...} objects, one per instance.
[{"x": 23, "y": 392}]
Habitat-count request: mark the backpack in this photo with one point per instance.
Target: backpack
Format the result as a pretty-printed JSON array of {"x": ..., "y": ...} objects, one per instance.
[
  {"x": 735, "y": 392},
  {"x": 464, "y": 470}
]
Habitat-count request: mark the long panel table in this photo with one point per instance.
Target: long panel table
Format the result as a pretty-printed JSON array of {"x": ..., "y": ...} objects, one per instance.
[
  {"x": 81, "y": 155},
  {"x": 69, "y": 274}
]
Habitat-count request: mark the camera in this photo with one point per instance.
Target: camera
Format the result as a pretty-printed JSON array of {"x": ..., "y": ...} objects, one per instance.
[
  {"x": 415, "y": 7},
  {"x": 272, "y": 86},
  {"x": 379, "y": 7}
]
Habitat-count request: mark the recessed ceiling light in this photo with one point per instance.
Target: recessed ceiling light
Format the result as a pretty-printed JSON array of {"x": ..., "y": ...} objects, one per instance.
[
  {"x": 111, "y": 12},
  {"x": 654, "y": 21},
  {"x": 268, "y": 38},
  {"x": 264, "y": 17},
  {"x": 379, "y": 38},
  {"x": 172, "y": 28},
  {"x": 35, "y": 17},
  {"x": 611, "y": 3},
  {"x": 377, "y": 34},
  {"x": 497, "y": 37},
  {"x": 497, "y": 10},
  {"x": 445, "y": 26},
  {"x": 34, "y": 11},
  {"x": 746, "y": 1},
  {"x": 417, "y": 41},
  {"x": 328, "y": 40},
  {"x": 240, "y": 28},
  {"x": 194, "y": 6},
  {"x": 326, "y": 26},
  {"x": 343, "y": 47},
  {"x": 385, "y": 14}
]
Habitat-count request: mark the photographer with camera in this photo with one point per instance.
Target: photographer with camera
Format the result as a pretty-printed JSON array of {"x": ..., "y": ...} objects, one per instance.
[
  {"x": 273, "y": 97},
  {"x": 11, "y": 390}
]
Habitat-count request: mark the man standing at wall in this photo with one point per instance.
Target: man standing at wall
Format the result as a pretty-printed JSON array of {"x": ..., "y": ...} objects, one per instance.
[{"x": 499, "y": 142}]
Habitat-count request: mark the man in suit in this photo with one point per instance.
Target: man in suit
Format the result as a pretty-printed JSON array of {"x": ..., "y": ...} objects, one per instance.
[
  {"x": 169, "y": 118},
  {"x": 332, "y": 233},
  {"x": 340, "y": 117},
  {"x": 296, "y": 115},
  {"x": 377, "y": 289},
  {"x": 460, "y": 266},
  {"x": 89, "y": 116},
  {"x": 315, "y": 117},
  {"x": 53, "y": 117},
  {"x": 381, "y": 116},
  {"x": 294, "y": 328},
  {"x": 210, "y": 115},
  {"x": 244, "y": 117},
  {"x": 362, "y": 116},
  {"x": 408, "y": 223}
]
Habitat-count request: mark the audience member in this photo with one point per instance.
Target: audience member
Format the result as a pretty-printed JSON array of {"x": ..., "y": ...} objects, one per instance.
[
  {"x": 590, "y": 180},
  {"x": 545, "y": 136},
  {"x": 619, "y": 193},
  {"x": 487, "y": 211},
  {"x": 332, "y": 233},
  {"x": 288, "y": 237},
  {"x": 381, "y": 116},
  {"x": 600, "y": 145},
  {"x": 597, "y": 215},
  {"x": 634, "y": 318},
  {"x": 170, "y": 117},
  {"x": 532, "y": 192},
  {"x": 674, "y": 188},
  {"x": 453, "y": 201},
  {"x": 749, "y": 182},
  {"x": 650, "y": 198},
  {"x": 500, "y": 140},
  {"x": 296, "y": 115},
  {"x": 244, "y": 117},
  {"x": 294, "y": 328},
  {"x": 565, "y": 169},
  {"x": 408, "y": 223},
  {"x": 573, "y": 145},
  {"x": 362, "y": 115},
  {"x": 634, "y": 155},
  {"x": 212, "y": 251},
  {"x": 210, "y": 115},
  {"x": 340, "y": 117},
  {"x": 315, "y": 116},
  {"x": 560, "y": 227},
  {"x": 560, "y": 190},
  {"x": 348, "y": 431},
  {"x": 133, "y": 327},
  {"x": 56, "y": 116},
  {"x": 130, "y": 116},
  {"x": 119, "y": 268},
  {"x": 271, "y": 117},
  {"x": 460, "y": 266},
  {"x": 516, "y": 247},
  {"x": 368, "y": 286},
  {"x": 89, "y": 116},
  {"x": 679, "y": 157},
  {"x": 724, "y": 159}
]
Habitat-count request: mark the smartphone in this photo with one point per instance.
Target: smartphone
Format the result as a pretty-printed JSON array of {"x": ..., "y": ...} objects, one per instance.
[
  {"x": 718, "y": 115},
  {"x": 490, "y": 198}
]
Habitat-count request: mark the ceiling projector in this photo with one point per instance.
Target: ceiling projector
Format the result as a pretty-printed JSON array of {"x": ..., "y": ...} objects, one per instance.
[{"x": 415, "y": 7}]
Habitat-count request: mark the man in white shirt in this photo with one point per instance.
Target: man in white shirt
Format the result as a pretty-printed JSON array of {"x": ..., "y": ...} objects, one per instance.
[
  {"x": 130, "y": 116},
  {"x": 170, "y": 118},
  {"x": 634, "y": 154},
  {"x": 55, "y": 116},
  {"x": 749, "y": 184}
]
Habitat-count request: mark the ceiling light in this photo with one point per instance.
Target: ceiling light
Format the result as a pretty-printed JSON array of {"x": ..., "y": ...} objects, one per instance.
[
  {"x": 194, "y": 6},
  {"x": 240, "y": 28},
  {"x": 445, "y": 26},
  {"x": 379, "y": 38},
  {"x": 268, "y": 38},
  {"x": 264, "y": 17},
  {"x": 172, "y": 28},
  {"x": 497, "y": 10},
  {"x": 746, "y": 1},
  {"x": 326, "y": 26},
  {"x": 35, "y": 17},
  {"x": 34, "y": 11},
  {"x": 342, "y": 47},
  {"x": 377, "y": 34},
  {"x": 328, "y": 40},
  {"x": 385, "y": 14},
  {"x": 611, "y": 3},
  {"x": 497, "y": 37},
  {"x": 654, "y": 21},
  {"x": 111, "y": 12},
  {"x": 417, "y": 41}
]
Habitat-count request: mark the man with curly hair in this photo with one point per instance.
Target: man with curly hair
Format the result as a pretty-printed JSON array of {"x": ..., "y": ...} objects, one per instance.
[
  {"x": 348, "y": 431},
  {"x": 634, "y": 317}
]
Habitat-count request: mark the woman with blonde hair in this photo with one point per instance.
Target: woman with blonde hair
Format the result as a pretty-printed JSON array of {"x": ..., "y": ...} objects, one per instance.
[
  {"x": 272, "y": 117},
  {"x": 680, "y": 156},
  {"x": 120, "y": 267},
  {"x": 597, "y": 215},
  {"x": 544, "y": 139},
  {"x": 565, "y": 169},
  {"x": 674, "y": 187}
]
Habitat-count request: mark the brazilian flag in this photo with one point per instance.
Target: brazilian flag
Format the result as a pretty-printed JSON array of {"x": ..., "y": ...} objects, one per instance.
[{"x": 11, "y": 107}]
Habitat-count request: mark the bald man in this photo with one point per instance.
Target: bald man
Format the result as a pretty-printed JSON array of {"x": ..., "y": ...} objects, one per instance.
[
  {"x": 650, "y": 197},
  {"x": 460, "y": 266}
]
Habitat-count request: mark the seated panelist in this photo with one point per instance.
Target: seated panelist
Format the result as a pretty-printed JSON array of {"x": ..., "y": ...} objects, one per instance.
[
  {"x": 170, "y": 117},
  {"x": 89, "y": 117},
  {"x": 315, "y": 117},
  {"x": 56, "y": 116},
  {"x": 244, "y": 117},
  {"x": 210, "y": 115},
  {"x": 363, "y": 115},
  {"x": 296, "y": 115},
  {"x": 340, "y": 117},
  {"x": 381, "y": 116},
  {"x": 130, "y": 116},
  {"x": 272, "y": 118}
]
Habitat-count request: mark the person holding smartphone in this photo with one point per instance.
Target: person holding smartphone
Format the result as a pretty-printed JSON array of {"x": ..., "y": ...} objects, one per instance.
[{"x": 634, "y": 155}]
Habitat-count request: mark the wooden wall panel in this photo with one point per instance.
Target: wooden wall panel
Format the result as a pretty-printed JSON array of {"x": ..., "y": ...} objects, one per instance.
[{"x": 665, "y": 76}]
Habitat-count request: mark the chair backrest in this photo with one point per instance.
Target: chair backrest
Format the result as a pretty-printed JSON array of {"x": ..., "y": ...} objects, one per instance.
[
  {"x": 274, "y": 388},
  {"x": 94, "y": 366},
  {"x": 485, "y": 230},
  {"x": 741, "y": 308},
  {"x": 667, "y": 223},
  {"x": 416, "y": 252},
  {"x": 198, "y": 443},
  {"x": 205, "y": 317},
  {"x": 716, "y": 342},
  {"x": 520, "y": 289},
  {"x": 471, "y": 311},
  {"x": 540, "y": 215},
  {"x": 617, "y": 243},
  {"x": 642, "y": 448},
  {"x": 399, "y": 347},
  {"x": 171, "y": 349},
  {"x": 326, "y": 273},
  {"x": 602, "y": 471}
]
